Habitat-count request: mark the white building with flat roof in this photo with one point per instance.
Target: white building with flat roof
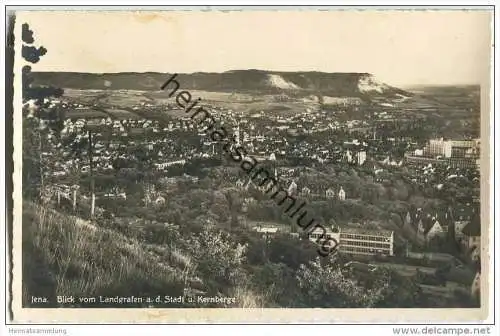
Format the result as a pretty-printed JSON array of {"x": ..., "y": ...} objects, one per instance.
[
  {"x": 452, "y": 148},
  {"x": 358, "y": 240},
  {"x": 368, "y": 242}
]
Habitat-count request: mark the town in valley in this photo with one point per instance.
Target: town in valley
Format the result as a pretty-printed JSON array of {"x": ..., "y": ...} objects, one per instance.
[
  {"x": 393, "y": 173},
  {"x": 130, "y": 199}
]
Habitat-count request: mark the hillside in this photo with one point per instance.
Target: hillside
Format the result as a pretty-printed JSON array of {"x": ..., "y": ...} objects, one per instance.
[
  {"x": 124, "y": 257},
  {"x": 249, "y": 81},
  {"x": 64, "y": 255}
]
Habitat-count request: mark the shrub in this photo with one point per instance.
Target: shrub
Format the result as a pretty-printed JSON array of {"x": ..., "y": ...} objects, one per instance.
[{"x": 63, "y": 255}]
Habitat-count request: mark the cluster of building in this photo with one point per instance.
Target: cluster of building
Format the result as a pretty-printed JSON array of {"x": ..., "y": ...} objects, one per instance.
[
  {"x": 293, "y": 190},
  {"x": 260, "y": 134},
  {"x": 453, "y": 153},
  {"x": 461, "y": 224},
  {"x": 274, "y": 137}
]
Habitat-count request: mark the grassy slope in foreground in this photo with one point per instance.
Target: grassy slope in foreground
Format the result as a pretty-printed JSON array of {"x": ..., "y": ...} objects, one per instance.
[{"x": 63, "y": 255}]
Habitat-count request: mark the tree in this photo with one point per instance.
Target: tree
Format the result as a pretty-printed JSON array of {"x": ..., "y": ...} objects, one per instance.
[
  {"x": 370, "y": 194},
  {"x": 278, "y": 284},
  {"x": 327, "y": 287},
  {"x": 219, "y": 258},
  {"x": 332, "y": 223},
  {"x": 220, "y": 206},
  {"x": 290, "y": 251},
  {"x": 402, "y": 292},
  {"x": 42, "y": 120}
]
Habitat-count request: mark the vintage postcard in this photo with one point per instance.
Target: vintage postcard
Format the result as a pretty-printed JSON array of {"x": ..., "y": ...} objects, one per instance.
[{"x": 253, "y": 165}]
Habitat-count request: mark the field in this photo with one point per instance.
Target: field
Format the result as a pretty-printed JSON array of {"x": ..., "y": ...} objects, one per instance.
[
  {"x": 119, "y": 99},
  {"x": 86, "y": 113},
  {"x": 93, "y": 113},
  {"x": 116, "y": 113},
  {"x": 449, "y": 98},
  {"x": 204, "y": 95}
]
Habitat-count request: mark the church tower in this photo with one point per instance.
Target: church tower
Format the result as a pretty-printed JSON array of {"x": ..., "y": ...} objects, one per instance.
[{"x": 237, "y": 135}]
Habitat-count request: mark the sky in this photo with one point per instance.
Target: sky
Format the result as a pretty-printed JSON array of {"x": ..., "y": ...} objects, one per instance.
[{"x": 398, "y": 47}]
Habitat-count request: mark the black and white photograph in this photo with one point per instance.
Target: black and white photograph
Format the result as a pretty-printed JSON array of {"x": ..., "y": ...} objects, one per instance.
[{"x": 293, "y": 159}]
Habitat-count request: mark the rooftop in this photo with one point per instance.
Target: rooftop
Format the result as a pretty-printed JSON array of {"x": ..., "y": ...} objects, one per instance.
[
  {"x": 473, "y": 229},
  {"x": 265, "y": 229},
  {"x": 368, "y": 232}
]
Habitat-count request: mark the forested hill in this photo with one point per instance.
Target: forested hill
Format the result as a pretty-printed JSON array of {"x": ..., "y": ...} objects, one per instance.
[{"x": 258, "y": 81}]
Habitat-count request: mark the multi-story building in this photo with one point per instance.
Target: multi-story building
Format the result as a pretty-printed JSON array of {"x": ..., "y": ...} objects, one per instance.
[
  {"x": 452, "y": 148},
  {"x": 437, "y": 147},
  {"x": 464, "y": 148},
  {"x": 359, "y": 240},
  {"x": 368, "y": 242},
  {"x": 361, "y": 157}
]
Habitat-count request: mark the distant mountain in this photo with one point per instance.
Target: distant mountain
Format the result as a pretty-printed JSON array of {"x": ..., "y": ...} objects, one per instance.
[{"x": 257, "y": 81}]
